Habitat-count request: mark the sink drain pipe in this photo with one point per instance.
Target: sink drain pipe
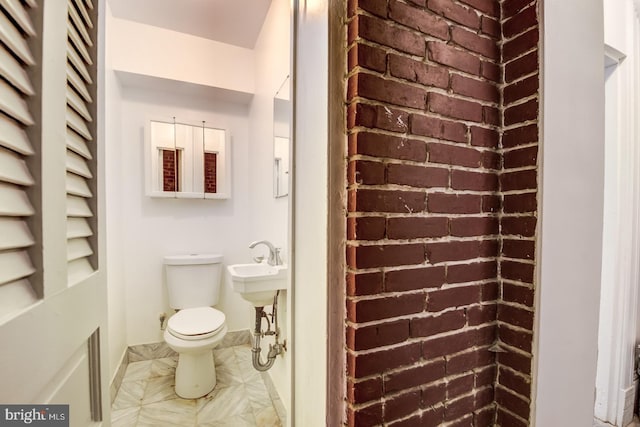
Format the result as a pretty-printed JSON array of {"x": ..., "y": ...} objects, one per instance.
[{"x": 275, "y": 349}]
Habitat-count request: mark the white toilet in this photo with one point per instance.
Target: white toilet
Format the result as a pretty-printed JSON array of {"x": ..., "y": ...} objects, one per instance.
[{"x": 193, "y": 284}]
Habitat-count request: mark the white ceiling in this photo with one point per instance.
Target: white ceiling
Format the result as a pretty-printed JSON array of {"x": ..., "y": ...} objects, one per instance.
[{"x": 236, "y": 22}]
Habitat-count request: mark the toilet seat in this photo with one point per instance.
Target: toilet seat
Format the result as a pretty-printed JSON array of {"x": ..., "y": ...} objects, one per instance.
[{"x": 196, "y": 323}]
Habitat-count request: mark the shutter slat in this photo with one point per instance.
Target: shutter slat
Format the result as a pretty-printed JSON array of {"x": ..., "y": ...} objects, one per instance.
[
  {"x": 11, "y": 37},
  {"x": 75, "y": 122},
  {"x": 80, "y": 6},
  {"x": 78, "y": 105},
  {"x": 78, "y": 270},
  {"x": 14, "y": 201},
  {"x": 78, "y": 44},
  {"x": 77, "y": 186},
  {"x": 15, "y": 234},
  {"x": 89, "y": 4},
  {"x": 14, "y": 137},
  {"x": 78, "y": 248},
  {"x": 78, "y": 207},
  {"x": 14, "y": 72},
  {"x": 20, "y": 15},
  {"x": 78, "y": 165},
  {"x": 78, "y": 145},
  {"x": 76, "y": 81},
  {"x": 75, "y": 18},
  {"x": 16, "y": 296},
  {"x": 14, "y": 265},
  {"x": 78, "y": 227},
  {"x": 13, "y": 169},
  {"x": 31, "y": 3},
  {"x": 78, "y": 63},
  {"x": 13, "y": 105}
]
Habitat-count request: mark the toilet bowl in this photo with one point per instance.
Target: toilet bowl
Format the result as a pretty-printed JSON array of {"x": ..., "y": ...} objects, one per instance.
[
  {"x": 193, "y": 285},
  {"x": 193, "y": 333}
]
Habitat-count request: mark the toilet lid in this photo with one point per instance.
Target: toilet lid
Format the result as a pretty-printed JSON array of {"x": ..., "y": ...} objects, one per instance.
[{"x": 196, "y": 323}]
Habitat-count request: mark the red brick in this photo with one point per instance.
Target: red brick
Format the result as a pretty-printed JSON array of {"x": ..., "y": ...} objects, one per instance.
[
  {"x": 490, "y": 7},
  {"x": 363, "y": 365},
  {"x": 518, "y": 226},
  {"x": 454, "y": 108},
  {"x": 401, "y": 405},
  {"x": 366, "y": 172},
  {"x": 490, "y": 27},
  {"x": 364, "y": 284},
  {"x": 522, "y": 249},
  {"x": 455, "y": 12},
  {"x": 491, "y": 71},
  {"x": 471, "y": 272},
  {"x": 515, "y": 316},
  {"x": 367, "y": 337},
  {"x": 519, "y": 180},
  {"x": 521, "y": 385},
  {"x": 516, "y": 47},
  {"x": 438, "y": 128},
  {"x": 474, "y": 226},
  {"x": 521, "y": 89},
  {"x": 484, "y": 397},
  {"x": 454, "y": 203},
  {"x": 432, "y": 417},
  {"x": 385, "y": 255},
  {"x": 521, "y": 21},
  {"x": 521, "y": 157},
  {"x": 375, "y": 7},
  {"x": 433, "y": 325},
  {"x": 525, "y": 65},
  {"x": 476, "y": 181},
  {"x": 386, "y": 201},
  {"x": 517, "y": 294},
  {"x": 520, "y": 113},
  {"x": 515, "y": 361},
  {"x": 460, "y": 250},
  {"x": 518, "y": 339},
  {"x": 475, "y": 43},
  {"x": 470, "y": 360},
  {"x": 412, "y": 421},
  {"x": 484, "y": 417},
  {"x": 454, "y": 155},
  {"x": 480, "y": 314},
  {"x": 366, "y": 56},
  {"x": 364, "y": 391},
  {"x": 376, "y": 116},
  {"x": 491, "y": 203},
  {"x": 414, "y": 376},
  {"x": 452, "y": 57},
  {"x": 491, "y": 160},
  {"x": 506, "y": 419},
  {"x": 459, "y": 386},
  {"x": 485, "y": 376},
  {"x": 417, "y": 176},
  {"x": 379, "y": 89},
  {"x": 520, "y": 136},
  {"x": 478, "y": 89},
  {"x": 378, "y": 145},
  {"x": 438, "y": 347},
  {"x": 452, "y": 297},
  {"x": 511, "y": 7},
  {"x": 520, "y": 203},
  {"x": 490, "y": 291},
  {"x": 458, "y": 408},
  {"x": 414, "y": 279},
  {"x": 483, "y": 137},
  {"x": 366, "y": 228},
  {"x": 367, "y": 310},
  {"x": 365, "y": 416},
  {"x": 419, "y": 72},
  {"x": 433, "y": 394},
  {"x": 516, "y": 404},
  {"x": 423, "y": 21},
  {"x": 517, "y": 271},
  {"x": 379, "y": 31},
  {"x": 417, "y": 227},
  {"x": 491, "y": 116}
]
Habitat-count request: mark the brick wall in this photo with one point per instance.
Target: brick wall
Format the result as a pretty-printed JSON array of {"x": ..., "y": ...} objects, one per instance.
[
  {"x": 168, "y": 170},
  {"x": 210, "y": 172},
  {"x": 434, "y": 287}
]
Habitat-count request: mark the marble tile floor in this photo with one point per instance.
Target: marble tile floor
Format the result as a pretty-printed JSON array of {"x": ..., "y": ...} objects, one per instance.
[{"x": 240, "y": 399}]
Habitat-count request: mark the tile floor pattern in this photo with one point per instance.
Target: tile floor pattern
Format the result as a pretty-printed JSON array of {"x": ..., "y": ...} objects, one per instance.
[{"x": 240, "y": 398}]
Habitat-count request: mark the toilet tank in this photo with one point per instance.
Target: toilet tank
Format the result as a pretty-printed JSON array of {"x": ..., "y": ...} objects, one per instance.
[{"x": 193, "y": 280}]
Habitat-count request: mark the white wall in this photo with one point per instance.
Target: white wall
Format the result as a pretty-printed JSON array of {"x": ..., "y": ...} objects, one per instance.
[
  {"x": 269, "y": 219},
  {"x": 571, "y": 212}
]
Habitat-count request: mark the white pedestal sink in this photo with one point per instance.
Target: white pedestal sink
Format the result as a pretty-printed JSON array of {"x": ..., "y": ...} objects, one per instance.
[{"x": 258, "y": 283}]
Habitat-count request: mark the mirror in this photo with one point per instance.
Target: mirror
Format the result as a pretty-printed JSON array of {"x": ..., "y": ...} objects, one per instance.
[
  {"x": 281, "y": 136},
  {"x": 187, "y": 160}
]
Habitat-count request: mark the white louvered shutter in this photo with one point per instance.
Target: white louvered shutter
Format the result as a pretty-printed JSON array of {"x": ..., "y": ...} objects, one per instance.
[
  {"x": 80, "y": 66},
  {"x": 16, "y": 28}
]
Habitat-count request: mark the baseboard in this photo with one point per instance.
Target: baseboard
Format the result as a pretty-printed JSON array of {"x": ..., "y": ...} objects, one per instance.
[{"x": 116, "y": 381}]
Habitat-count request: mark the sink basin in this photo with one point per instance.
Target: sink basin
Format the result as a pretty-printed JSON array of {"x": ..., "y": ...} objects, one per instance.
[{"x": 258, "y": 283}]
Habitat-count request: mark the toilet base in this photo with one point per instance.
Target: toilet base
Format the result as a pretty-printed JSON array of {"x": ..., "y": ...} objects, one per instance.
[{"x": 195, "y": 374}]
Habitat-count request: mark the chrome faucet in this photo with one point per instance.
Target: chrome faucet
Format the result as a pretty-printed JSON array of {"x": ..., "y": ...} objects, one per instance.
[{"x": 274, "y": 253}]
